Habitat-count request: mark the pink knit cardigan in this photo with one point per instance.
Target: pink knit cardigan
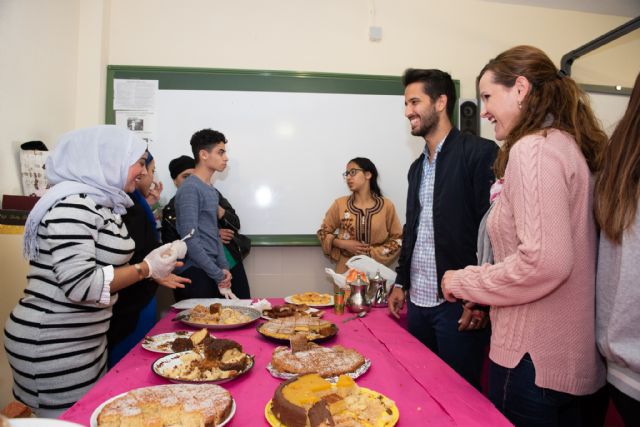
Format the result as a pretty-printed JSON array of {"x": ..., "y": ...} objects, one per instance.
[{"x": 541, "y": 288}]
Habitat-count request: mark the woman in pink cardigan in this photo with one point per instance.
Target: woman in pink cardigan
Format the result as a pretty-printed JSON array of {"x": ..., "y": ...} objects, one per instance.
[{"x": 541, "y": 286}]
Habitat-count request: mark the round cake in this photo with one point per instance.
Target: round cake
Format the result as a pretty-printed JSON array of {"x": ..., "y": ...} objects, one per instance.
[
  {"x": 166, "y": 405},
  {"x": 325, "y": 361},
  {"x": 310, "y": 400}
]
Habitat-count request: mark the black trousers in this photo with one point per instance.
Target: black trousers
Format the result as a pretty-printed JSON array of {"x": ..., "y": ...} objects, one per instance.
[{"x": 595, "y": 407}]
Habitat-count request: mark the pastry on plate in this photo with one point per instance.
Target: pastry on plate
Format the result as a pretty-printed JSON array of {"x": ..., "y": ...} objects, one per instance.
[
  {"x": 310, "y": 400},
  {"x": 313, "y": 358}
]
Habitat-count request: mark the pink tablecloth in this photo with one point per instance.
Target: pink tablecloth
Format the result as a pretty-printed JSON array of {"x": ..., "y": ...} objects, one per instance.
[{"x": 425, "y": 389}]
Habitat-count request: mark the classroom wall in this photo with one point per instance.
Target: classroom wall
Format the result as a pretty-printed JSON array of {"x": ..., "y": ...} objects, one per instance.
[{"x": 53, "y": 57}]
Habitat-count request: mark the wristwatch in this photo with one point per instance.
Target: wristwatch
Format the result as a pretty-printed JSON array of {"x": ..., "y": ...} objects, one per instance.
[
  {"x": 139, "y": 270},
  {"x": 398, "y": 285}
]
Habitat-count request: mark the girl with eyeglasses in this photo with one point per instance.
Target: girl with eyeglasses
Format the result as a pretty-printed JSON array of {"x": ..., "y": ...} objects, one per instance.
[{"x": 362, "y": 223}]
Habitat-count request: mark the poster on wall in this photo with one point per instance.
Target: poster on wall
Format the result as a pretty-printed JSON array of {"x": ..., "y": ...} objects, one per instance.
[
  {"x": 141, "y": 122},
  {"x": 134, "y": 102},
  {"x": 135, "y": 94}
]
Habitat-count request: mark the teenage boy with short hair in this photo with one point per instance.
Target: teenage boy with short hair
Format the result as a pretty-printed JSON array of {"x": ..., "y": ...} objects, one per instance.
[{"x": 196, "y": 208}]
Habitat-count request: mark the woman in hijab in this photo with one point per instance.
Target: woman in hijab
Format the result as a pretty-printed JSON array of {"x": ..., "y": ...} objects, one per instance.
[{"x": 78, "y": 250}]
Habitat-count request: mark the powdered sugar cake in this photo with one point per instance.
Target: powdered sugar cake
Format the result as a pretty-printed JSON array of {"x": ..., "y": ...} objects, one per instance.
[
  {"x": 165, "y": 405},
  {"x": 325, "y": 361}
]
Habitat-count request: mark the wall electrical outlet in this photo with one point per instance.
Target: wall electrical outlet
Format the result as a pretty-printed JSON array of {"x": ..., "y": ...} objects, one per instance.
[{"x": 375, "y": 33}]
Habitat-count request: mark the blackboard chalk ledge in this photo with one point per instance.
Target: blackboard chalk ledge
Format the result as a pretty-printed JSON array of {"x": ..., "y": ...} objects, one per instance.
[{"x": 284, "y": 240}]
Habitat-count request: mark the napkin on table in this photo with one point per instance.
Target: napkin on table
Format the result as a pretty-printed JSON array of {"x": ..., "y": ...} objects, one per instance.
[{"x": 367, "y": 265}]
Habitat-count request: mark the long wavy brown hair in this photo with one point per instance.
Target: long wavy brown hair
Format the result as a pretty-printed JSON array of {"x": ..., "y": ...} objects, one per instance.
[
  {"x": 617, "y": 190},
  {"x": 553, "y": 101}
]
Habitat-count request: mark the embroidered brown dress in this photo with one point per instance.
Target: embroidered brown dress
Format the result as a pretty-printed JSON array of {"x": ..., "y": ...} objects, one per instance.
[{"x": 377, "y": 226}]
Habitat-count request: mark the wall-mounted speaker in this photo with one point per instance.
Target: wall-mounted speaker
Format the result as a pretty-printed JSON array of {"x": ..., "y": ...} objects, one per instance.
[{"x": 469, "y": 117}]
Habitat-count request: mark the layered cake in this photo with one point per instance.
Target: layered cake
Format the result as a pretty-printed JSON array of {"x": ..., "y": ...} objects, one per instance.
[
  {"x": 220, "y": 360},
  {"x": 310, "y": 358},
  {"x": 285, "y": 327},
  {"x": 311, "y": 401},
  {"x": 168, "y": 405},
  {"x": 288, "y": 309},
  {"x": 199, "y": 338}
]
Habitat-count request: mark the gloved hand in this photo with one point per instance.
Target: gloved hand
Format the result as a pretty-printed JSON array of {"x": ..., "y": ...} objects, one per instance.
[
  {"x": 161, "y": 261},
  {"x": 181, "y": 248},
  {"x": 227, "y": 293},
  {"x": 224, "y": 286}
]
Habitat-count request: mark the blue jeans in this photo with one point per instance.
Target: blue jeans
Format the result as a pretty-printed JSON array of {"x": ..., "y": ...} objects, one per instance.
[
  {"x": 437, "y": 328},
  {"x": 514, "y": 393}
]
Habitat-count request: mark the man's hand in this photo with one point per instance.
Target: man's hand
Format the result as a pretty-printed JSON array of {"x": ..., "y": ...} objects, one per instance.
[
  {"x": 472, "y": 319},
  {"x": 226, "y": 234},
  {"x": 396, "y": 301}
]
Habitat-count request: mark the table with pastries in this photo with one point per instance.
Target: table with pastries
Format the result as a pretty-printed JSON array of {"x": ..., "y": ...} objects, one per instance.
[{"x": 425, "y": 390}]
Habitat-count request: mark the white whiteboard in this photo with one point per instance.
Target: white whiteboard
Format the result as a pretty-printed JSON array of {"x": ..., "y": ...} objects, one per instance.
[
  {"x": 289, "y": 148},
  {"x": 609, "y": 109}
]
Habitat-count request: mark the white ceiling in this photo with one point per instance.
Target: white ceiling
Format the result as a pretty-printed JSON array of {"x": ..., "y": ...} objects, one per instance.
[{"x": 629, "y": 8}]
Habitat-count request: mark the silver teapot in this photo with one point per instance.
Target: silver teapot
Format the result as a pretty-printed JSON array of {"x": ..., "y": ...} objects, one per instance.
[
  {"x": 358, "y": 300},
  {"x": 377, "y": 291}
]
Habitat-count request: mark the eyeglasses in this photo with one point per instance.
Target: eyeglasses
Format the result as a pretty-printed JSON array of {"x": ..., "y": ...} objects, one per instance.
[{"x": 351, "y": 172}]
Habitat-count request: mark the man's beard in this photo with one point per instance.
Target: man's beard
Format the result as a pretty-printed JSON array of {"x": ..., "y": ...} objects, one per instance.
[{"x": 427, "y": 124}]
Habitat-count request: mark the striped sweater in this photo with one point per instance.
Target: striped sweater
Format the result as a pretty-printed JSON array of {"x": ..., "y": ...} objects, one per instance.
[{"x": 55, "y": 337}]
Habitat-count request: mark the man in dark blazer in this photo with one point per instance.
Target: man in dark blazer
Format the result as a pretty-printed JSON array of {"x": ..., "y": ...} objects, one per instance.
[{"x": 447, "y": 197}]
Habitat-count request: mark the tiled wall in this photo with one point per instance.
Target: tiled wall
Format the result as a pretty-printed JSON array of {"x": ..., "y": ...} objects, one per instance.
[
  {"x": 282, "y": 271},
  {"x": 278, "y": 271}
]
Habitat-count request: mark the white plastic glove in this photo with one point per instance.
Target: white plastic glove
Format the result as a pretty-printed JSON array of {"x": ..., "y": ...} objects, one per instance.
[
  {"x": 161, "y": 261},
  {"x": 227, "y": 293},
  {"x": 181, "y": 248}
]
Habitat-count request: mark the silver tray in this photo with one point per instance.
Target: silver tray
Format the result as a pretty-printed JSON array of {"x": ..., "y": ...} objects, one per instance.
[
  {"x": 183, "y": 316},
  {"x": 355, "y": 374}
]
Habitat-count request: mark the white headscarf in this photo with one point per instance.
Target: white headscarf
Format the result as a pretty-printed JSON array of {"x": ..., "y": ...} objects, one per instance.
[{"x": 93, "y": 161}]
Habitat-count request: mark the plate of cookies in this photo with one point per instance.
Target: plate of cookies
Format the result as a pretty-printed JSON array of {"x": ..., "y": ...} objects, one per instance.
[{"x": 312, "y": 299}]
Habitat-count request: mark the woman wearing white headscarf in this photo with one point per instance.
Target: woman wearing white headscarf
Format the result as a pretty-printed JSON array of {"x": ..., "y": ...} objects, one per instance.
[{"x": 78, "y": 249}]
